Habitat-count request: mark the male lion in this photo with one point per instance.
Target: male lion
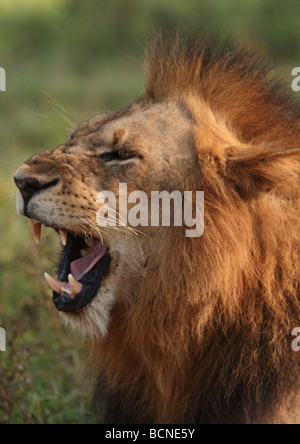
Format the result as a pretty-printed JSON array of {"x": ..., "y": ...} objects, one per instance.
[{"x": 185, "y": 330}]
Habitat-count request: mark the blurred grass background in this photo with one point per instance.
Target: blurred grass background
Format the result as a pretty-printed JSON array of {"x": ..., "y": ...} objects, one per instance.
[{"x": 82, "y": 55}]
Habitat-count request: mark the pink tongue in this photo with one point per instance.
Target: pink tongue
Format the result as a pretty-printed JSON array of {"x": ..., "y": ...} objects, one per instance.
[{"x": 82, "y": 266}]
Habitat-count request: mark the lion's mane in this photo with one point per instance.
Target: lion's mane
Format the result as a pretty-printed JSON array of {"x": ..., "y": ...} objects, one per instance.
[{"x": 208, "y": 338}]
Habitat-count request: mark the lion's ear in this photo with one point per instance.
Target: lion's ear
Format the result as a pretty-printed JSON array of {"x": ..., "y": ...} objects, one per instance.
[{"x": 260, "y": 170}]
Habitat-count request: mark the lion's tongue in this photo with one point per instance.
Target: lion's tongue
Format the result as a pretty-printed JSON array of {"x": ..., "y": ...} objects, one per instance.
[{"x": 82, "y": 266}]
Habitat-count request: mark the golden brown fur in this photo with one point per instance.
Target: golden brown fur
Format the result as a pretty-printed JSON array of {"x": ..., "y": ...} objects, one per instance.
[
  {"x": 214, "y": 344},
  {"x": 198, "y": 329}
]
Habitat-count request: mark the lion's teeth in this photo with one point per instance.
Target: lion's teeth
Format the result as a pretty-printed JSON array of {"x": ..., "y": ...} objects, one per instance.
[
  {"x": 76, "y": 287},
  {"x": 54, "y": 284},
  {"x": 68, "y": 291},
  {"x": 63, "y": 237},
  {"x": 72, "y": 288},
  {"x": 36, "y": 231}
]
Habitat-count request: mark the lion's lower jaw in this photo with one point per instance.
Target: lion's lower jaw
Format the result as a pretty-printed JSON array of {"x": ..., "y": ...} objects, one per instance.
[{"x": 93, "y": 321}]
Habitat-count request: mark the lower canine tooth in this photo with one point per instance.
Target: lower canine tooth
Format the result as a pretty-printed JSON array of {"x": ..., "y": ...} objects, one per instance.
[
  {"x": 54, "y": 284},
  {"x": 76, "y": 287},
  {"x": 36, "y": 231}
]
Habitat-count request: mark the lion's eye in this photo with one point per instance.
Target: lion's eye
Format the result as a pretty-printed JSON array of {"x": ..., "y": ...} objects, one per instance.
[
  {"x": 120, "y": 154},
  {"x": 124, "y": 154}
]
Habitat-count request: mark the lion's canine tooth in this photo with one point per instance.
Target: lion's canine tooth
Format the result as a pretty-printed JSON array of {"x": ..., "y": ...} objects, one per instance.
[
  {"x": 36, "y": 231},
  {"x": 54, "y": 284},
  {"x": 63, "y": 237},
  {"x": 76, "y": 287}
]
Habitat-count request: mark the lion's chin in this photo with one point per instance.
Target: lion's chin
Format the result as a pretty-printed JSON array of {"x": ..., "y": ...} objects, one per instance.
[{"x": 93, "y": 320}]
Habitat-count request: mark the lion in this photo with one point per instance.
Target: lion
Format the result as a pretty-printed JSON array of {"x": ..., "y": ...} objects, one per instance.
[{"x": 184, "y": 330}]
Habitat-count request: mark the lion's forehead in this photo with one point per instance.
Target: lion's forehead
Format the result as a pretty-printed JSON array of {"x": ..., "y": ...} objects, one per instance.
[{"x": 141, "y": 120}]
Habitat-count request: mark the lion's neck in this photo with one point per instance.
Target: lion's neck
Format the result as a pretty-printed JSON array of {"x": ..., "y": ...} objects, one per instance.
[
  {"x": 236, "y": 373},
  {"x": 204, "y": 346}
]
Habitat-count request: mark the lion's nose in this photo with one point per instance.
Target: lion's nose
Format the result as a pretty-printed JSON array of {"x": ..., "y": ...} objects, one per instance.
[{"x": 30, "y": 186}]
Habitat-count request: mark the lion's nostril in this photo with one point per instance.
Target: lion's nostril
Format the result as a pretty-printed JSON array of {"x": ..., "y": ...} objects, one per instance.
[{"x": 31, "y": 186}]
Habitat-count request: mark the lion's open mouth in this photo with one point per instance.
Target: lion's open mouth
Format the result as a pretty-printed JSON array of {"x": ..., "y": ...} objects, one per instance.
[{"x": 83, "y": 265}]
